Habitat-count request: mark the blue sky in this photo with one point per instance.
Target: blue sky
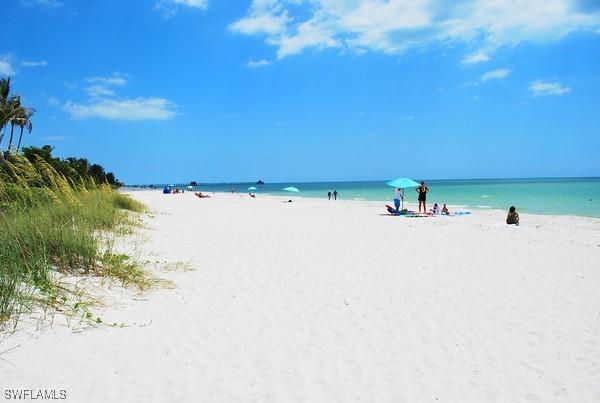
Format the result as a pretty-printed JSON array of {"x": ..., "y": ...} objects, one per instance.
[{"x": 289, "y": 90}]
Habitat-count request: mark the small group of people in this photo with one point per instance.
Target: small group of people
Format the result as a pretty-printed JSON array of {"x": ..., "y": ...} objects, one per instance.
[
  {"x": 421, "y": 190},
  {"x": 170, "y": 190},
  {"x": 436, "y": 209},
  {"x": 334, "y": 195},
  {"x": 511, "y": 219}
]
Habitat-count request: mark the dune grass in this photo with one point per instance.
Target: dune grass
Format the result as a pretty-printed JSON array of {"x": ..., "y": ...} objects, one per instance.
[{"x": 51, "y": 225}]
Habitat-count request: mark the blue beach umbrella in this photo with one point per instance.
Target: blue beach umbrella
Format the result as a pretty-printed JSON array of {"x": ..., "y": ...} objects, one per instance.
[{"x": 402, "y": 183}]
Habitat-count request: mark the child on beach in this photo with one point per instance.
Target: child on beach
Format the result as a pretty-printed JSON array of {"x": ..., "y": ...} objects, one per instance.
[
  {"x": 435, "y": 209},
  {"x": 513, "y": 217},
  {"x": 445, "y": 210}
]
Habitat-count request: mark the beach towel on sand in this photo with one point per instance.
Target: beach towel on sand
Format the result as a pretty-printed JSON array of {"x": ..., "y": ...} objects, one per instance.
[{"x": 393, "y": 211}]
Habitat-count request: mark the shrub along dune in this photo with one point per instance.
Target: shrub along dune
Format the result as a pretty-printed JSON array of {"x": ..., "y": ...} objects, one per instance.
[{"x": 52, "y": 225}]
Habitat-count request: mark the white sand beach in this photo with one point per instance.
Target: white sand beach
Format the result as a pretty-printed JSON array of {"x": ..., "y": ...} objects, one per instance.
[{"x": 322, "y": 301}]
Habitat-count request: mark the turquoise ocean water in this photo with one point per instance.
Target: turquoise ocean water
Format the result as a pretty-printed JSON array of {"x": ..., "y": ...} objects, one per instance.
[{"x": 564, "y": 196}]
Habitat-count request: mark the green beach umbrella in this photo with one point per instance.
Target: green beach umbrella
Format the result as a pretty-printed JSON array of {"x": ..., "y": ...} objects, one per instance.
[{"x": 402, "y": 183}]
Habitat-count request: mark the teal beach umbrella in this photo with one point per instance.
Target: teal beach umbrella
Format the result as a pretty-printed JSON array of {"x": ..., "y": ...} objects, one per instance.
[
  {"x": 291, "y": 189},
  {"x": 252, "y": 188},
  {"x": 402, "y": 183}
]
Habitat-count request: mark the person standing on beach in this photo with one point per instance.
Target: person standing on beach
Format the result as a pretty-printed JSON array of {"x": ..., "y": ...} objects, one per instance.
[
  {"x": 335, "y": 193},
  {"x": 422, "y": 191},
  {"x": 397, "y": 198},
  {"x": 329, "y": 195}
]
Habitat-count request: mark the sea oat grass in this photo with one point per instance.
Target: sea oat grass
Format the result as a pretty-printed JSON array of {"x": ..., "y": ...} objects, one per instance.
[
  {"x": 130, "y": 273},
  {"x": 50, "y": 224}
]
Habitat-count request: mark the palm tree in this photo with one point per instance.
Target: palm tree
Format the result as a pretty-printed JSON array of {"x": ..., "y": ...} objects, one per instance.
[
  {"x": 4, "y": 110},
  {"x": 11, "y": 111},
  {"x": 13, "y": 122},
  {"x": 8, "y": 107},
  {"x": 4, "y": 92},
  {"x": 24, "y": 121}
]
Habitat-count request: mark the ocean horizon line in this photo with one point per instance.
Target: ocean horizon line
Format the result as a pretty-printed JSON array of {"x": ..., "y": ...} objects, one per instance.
[{"x": 233, "y": 182}]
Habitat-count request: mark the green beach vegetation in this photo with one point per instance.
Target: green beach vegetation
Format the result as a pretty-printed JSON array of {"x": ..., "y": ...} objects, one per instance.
[
  {"x": 13, "y": 113},
  {"x": 58, "y": 220}
]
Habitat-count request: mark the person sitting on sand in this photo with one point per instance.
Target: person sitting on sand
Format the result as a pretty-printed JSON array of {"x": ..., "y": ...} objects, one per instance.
[
  {"x": 435, "y": 209},
  {"x": 202, "y": 196},
  {"x": 445, "y": 210},
  {"x": 513, "y": 217}
]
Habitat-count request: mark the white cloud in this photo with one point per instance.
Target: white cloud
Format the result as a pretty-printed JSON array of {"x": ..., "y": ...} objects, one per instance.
[
  {"x": 104, "y": 86},
  {"x": 495, "y": 75},
  {"x": 192, "y": 3},
  {"x": 308, "y": 34},
  {"x": 169, "y": 7},
  {"x": 541, "y": 88},
  {"x": 29, "y": 63},
  {"x": 393, "y": 26},
  {"x": 8, "y": 62},
  {"x": 123, "y": 109},
  {"x": 261, "y": 23},
  {"x": 116, "y": 79},
  {"x": 475, "y": 57},
  {"x": 254, "y": 64},
  {"x": 6, "y": 67},
  {"x": 53, "y": 101},
  {"x": 104, "y": 103},
  {"x": 99, "y": 91}
]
